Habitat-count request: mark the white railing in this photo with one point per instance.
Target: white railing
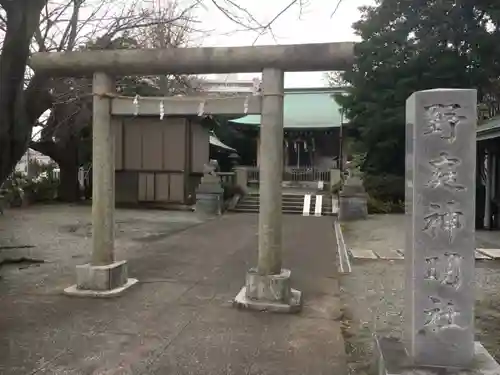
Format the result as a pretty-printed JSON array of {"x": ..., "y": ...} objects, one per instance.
[
  {"x": 306, "y": 175},
  {"x": 294, "y": 174}
]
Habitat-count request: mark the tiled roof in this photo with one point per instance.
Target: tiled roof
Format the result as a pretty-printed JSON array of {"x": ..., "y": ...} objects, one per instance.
[{"x": 304, "y": 109}]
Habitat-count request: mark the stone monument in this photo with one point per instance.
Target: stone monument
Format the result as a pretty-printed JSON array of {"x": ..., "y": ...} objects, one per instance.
[
  {"x": 209, "y": 194},
  {"x": 353, "y": 200},
  {"x": 440, "y": 241}
]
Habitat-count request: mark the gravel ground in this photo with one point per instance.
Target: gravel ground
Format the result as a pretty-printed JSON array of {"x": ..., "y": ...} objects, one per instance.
[
  {"x": 62, "y": 239},
  {"x": 373, "y": 292},
  {"x": 179, "y": 319}
]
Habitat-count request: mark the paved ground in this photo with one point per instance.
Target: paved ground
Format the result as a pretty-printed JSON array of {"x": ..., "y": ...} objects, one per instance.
[
  {"x": 179, "y": 319},
  {"x": 373, "y": 292},
  {"x": 386, "y": 233}
]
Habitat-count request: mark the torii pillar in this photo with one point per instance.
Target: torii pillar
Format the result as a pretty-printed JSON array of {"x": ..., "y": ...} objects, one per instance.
[
  {"x": 103, "y": 276},
  {"x": 268, "y": 286}
]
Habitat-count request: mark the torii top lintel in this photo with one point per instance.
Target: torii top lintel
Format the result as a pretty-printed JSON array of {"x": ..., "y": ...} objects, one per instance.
[{"x": 294, "y": 57}]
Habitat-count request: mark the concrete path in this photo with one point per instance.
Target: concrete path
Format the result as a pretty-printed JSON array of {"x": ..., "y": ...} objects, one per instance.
[{"x": 179, "y": 319}]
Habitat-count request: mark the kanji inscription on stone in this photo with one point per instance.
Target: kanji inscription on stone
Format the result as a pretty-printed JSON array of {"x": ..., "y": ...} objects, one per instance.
[
  {"x": 443, "y": 119},
  {"x": 444, "y": 172},
  {"x": 452, "y": 270},
  {"x": 432, "y": 272},
  {"x": 440, "y": 316},
  {"x": 443, "y": 218},
  {"x": 440, "y": 244},
  {"x": 445, "y": 269}
]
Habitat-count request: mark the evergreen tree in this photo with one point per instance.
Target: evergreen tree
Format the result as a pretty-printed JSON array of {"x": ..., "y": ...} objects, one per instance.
[{"x": 411, "y": 45}]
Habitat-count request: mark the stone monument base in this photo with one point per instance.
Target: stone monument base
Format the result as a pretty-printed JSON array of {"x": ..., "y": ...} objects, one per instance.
[
  {"x": 209, "y": 203},
  {"x": 353, "y": 200},
  {"x": 391, "y": 358},
  {"x": 269, "y": 293},
  {"x": 110, "y": 280},
  {"x": 353, "y": 207},
  {"x": 210, "y": 193}
]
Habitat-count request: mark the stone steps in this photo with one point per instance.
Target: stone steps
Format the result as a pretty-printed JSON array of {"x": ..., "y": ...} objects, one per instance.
[{"x": 292, "y": 204}]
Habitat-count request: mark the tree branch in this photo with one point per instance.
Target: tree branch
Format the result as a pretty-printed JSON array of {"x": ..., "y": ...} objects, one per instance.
[{"x": 70, "y": 33}]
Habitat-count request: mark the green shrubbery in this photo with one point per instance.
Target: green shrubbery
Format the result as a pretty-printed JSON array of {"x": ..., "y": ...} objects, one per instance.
[
  {"x": 386, "y": 193},
  {"x": 13, "y": 190},
  {"x": 385, "y": 187},
  {"x": 377, "y": 206},
  {"x": 43, "y": 188},
  {"x": 19, "y": 189}
]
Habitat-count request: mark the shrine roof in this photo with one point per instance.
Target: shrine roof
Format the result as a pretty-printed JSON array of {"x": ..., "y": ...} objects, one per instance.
[
  {"x": 488, "y": 129},
  {"x": 214, "y": 141},
  {"x": 305, "y": 108}
]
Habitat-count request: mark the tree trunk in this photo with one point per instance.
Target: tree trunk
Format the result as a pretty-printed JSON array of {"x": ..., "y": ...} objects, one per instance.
[
  {"x": 69, "y": 163},
  {"x": 15, "y": 124},
  {"x": 69, "y": 187}
]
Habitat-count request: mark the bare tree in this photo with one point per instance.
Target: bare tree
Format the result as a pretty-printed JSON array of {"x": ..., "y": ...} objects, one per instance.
[
  {"x": 18, "y": 108},
  {"x": 65, "y": 135},
  {"x": 169, "y": 31},
  {"x": 241, "y": 16},
  {"x": 49, "y": 25},
  {"x": 66, "y": 25}
]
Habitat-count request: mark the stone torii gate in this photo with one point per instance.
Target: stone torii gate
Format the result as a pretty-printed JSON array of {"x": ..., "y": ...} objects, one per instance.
[
  {"x": 440, "y": 161},
  {"x": 268, "y": 285}
]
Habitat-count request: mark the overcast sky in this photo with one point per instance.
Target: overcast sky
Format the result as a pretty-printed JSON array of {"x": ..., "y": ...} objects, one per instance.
[{"x": 314, "y": 25}]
